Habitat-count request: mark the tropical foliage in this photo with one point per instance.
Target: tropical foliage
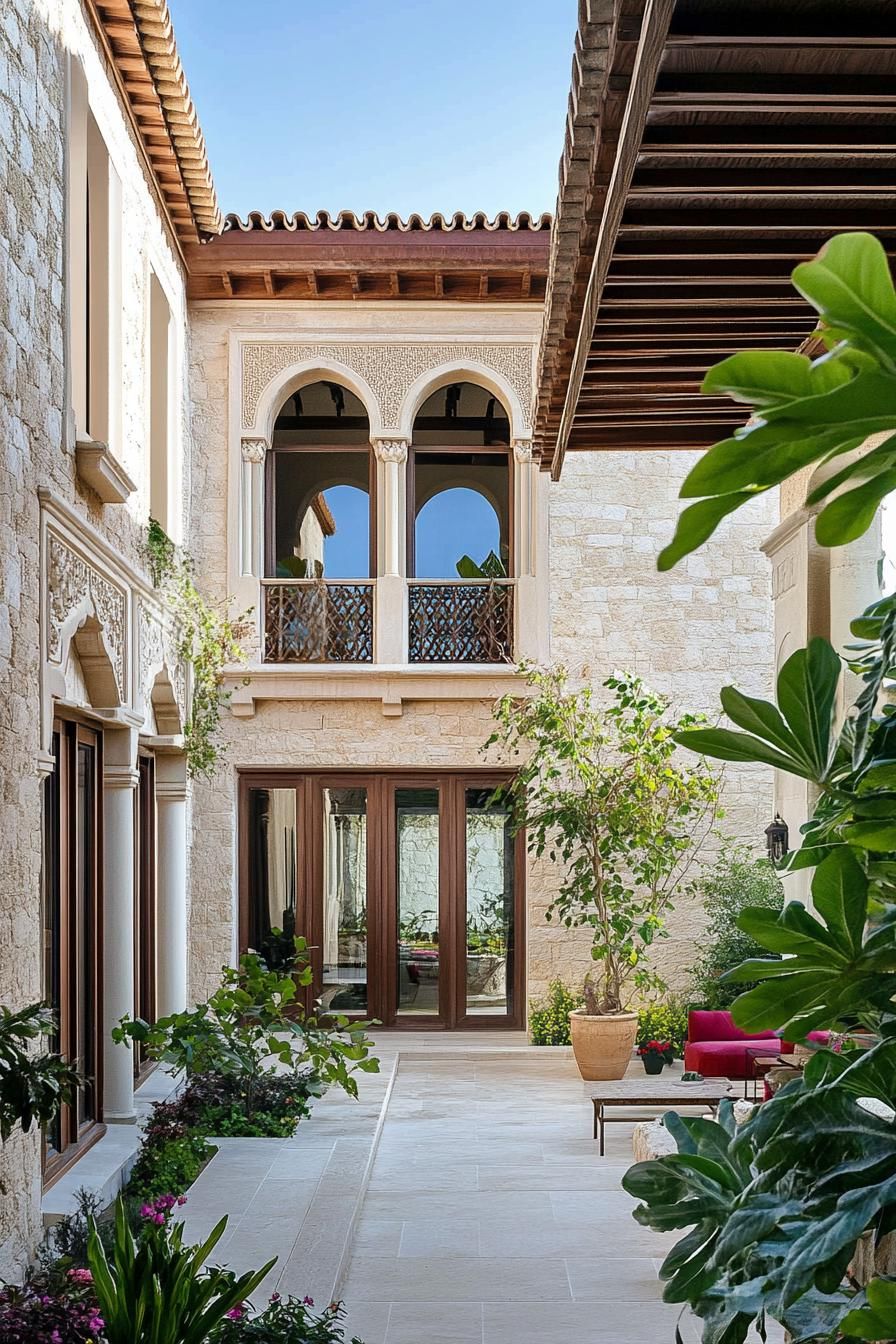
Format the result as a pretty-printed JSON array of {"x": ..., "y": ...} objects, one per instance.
[
  {"x": 776, "y": 1208},
  {"x": 600, "y": 789},
  {"x": 33, "y": 1085},
  {"x": 153, "y": 1289},
  {"x": 737, "y": 880}
]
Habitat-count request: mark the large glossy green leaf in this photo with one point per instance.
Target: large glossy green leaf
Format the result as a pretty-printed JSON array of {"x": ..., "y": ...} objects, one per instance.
[
  {"x": 850, "y": 285},
  {"x": 808, "y": 412},
  {"x": 876, "y": 1317}
]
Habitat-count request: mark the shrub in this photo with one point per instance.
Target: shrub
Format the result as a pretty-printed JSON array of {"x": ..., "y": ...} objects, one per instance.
[
  {"x": 286, "y": 1320},
  {"x": 168, "y": 1165},
  {"x": 663, "y": 1021},
  {"x": 549, "y": 1017},
  {"x": 736, "y": 881},
  {"x": 34, "y": 1315},
  {"x": 251, "y": 1020}
]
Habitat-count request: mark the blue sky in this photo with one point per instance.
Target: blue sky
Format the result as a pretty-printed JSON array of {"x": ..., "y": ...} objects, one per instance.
[{"x": 380, "y": 104}]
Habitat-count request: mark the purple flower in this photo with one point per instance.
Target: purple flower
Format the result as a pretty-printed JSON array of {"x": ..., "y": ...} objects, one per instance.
[
  {"x": 308, "y": 1301},
  {"x": 235, "y": 1314}
]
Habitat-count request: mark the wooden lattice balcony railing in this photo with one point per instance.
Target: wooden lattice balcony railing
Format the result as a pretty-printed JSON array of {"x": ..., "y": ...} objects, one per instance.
[
  {"x": 461, "y": 622},
  {"x": 315, "y": 621}
]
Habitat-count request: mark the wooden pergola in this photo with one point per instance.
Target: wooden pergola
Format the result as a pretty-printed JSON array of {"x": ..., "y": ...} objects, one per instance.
[{"x": 711, "y": 145}]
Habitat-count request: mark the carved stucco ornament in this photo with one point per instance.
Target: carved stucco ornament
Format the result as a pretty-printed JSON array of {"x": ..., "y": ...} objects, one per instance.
[
  {"x": 71, "y": 580},
  {"x": 522, "y": 450},
  {"x": 388, "y": 368},
  {"x": 254, "y": 450},
  {"x": 391, "y": 450},
  {"x": 158, "y": 649}
]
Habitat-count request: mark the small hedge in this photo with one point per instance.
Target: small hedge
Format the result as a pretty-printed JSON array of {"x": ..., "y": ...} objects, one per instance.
[{"x": 549, "y": 1017}]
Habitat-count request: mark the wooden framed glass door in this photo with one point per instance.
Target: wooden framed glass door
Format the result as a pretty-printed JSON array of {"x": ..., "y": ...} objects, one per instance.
[
  {"x": 408, "y": 886},
  {"x": 144, "y": 903},
  {"x": 73, "y": 930}
]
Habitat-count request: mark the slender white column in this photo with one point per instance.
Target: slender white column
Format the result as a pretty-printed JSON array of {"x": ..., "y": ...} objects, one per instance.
[
  {"x": 391, "y": 635},
  {"x": 252, "y": 455},
  {"x": 120, "y": 779},
  {"x": 527, "y": 641},
  {"x": 171, "y": 884},
  {"x": 855, "y": 579}
]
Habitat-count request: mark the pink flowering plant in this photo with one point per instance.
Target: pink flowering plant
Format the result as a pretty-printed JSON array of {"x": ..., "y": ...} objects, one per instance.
[
  {"x": 66, "y": 1315},
  {"x": 283, "y": 1320}
]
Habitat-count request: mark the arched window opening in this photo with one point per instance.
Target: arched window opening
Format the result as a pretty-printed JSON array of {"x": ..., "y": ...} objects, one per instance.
[
  {"x": 320, "y": 487},
  {"x": 460, "y": 599},
  {"x": 460, "y": 486},
  {"x": 320, "y": 536}
]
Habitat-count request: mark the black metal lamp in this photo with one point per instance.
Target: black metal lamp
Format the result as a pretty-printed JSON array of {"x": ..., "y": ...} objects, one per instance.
[{"x": 777, "y": 839}]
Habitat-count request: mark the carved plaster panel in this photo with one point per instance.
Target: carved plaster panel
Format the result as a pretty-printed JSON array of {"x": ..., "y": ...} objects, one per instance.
[
  {"x": 391, "y": 450},
  {"x": 388, "y": 369},
  {"x": 70, "y": 579},
  {"x": 158, "y": 648},
  {"x": 254, "y": 450}
]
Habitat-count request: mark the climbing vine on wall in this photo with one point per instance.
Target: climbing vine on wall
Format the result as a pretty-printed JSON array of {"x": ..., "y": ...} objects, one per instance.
[{"x": 208, "y": 639}]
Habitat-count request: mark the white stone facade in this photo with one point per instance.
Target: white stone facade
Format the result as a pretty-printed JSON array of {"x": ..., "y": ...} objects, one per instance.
[{"x": 80, "y": 624}]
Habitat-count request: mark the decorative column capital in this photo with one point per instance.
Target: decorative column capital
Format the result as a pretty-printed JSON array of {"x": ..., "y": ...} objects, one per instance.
[
  {"x": 171, "y": 791},
  {"x": 253, "y": 450},
  {"x": 391, "y": 450},
  {"x": 522, "y": 450}
]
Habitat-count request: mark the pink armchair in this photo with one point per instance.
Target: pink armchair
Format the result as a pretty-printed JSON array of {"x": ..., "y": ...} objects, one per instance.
[{"x": 717, "y": 1048}]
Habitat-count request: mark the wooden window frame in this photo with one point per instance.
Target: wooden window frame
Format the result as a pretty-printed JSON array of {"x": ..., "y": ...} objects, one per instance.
[
  {"x": 382, "y": 912},
  {"x": 270, "y": 503},
  {"x": 479, "y": 450},
  {"x": 71, "y": 733}
]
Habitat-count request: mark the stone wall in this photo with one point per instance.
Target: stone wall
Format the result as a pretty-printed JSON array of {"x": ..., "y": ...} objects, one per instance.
[
  {"x": 37, "y": 450},
  {"x": 686, "y": 633},
  {"x": 31, "y": 417}
]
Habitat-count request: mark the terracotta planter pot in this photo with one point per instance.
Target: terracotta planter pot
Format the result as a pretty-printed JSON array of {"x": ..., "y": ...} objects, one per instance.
[{"x": 603, "y": 1045}]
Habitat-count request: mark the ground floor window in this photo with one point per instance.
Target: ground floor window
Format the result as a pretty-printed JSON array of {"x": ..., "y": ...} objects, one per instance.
[
  {"x": 72, "y": 928},
  {"x": 409, "y": 888}
]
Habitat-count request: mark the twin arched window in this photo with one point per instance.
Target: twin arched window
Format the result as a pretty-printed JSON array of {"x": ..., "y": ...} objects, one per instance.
[{"x": 321, "y": 487}]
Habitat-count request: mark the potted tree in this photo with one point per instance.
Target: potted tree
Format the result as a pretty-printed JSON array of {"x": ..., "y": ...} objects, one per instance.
[{"x": 601, "y": 791}]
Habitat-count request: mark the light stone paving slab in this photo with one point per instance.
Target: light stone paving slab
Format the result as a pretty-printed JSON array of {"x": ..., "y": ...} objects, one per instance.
[{"x": 465, "y": 1204}]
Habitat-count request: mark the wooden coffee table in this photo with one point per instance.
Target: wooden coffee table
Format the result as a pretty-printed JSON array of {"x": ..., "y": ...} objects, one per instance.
[{"x": 657, "y": 1092}]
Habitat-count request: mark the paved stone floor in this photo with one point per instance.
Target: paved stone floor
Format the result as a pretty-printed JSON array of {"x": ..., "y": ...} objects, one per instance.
[{"x": 471, "y": 1209}]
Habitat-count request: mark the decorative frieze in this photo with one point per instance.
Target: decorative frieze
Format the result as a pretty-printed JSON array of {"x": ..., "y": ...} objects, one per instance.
[
  {"x": 157, "y": 646},
  {"x": 388, "y": 368},
  {"x": 73, "y": 583}
]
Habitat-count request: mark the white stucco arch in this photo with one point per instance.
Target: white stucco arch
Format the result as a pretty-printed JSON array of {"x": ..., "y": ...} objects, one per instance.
[
  {"x": 464, "y": 371},
  {"x": 299, "y": 375}
]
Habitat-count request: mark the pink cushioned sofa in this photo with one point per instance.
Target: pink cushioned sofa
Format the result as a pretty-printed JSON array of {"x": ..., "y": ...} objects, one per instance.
[{"x": 717, "y": 1048}]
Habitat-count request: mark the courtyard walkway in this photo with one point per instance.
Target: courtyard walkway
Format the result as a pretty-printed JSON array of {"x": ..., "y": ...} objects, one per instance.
[{"x": 461, "y": 1202}]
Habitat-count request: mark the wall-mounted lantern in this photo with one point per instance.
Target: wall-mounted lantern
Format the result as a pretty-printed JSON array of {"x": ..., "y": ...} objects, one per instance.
[{"x": 777, "y": 839}]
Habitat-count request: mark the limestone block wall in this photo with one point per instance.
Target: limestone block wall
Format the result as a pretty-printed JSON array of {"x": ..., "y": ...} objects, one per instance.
[
  {"x": 686, "y": 633},
  {"x": 37, "y": 38}
]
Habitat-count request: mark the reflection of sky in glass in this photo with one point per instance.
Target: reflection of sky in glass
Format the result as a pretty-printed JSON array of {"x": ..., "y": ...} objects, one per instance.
[
  {"x": 451, "y": 524},
  {"x": 347, "y": 552}
]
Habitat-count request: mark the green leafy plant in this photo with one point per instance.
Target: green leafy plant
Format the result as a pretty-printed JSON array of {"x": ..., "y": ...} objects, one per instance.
[
  {"x": 33, "y": 1085},
  {"x": 253, "y": 1021},
  {"x": 665, "y": 1020},
  {"x": 601, "y": 791},
  {"x": 208, "y": 639},
  {"x": 776, "y": 1209},
  {"x": 285, "y": 1320},
  {"x": 155, "y": 1290},
  {"x": 737, "y": 880},
  {"x": 167, "y": 1166},
  {"x": 492, "y": 567},
  {"x": 549, "y": 1017}
]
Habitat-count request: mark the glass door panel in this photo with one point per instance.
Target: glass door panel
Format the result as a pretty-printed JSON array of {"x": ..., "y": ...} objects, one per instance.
[
  {"x": 85, "y": 949},
  {"x": 271, "y": 923},
  {"x": 489, "y": 919},
  {"x": 344, "y": 933},
  {"x": 417, "y": 886}
]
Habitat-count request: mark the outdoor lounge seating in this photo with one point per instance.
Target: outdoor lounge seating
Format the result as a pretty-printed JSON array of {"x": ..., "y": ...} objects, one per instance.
[{"x": 716, "y": 1047}]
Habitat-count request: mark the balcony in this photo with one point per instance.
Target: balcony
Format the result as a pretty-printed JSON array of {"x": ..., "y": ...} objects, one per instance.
[
  {"x": 316, "y": 621},
  {"x": 460, "y": 621}
]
